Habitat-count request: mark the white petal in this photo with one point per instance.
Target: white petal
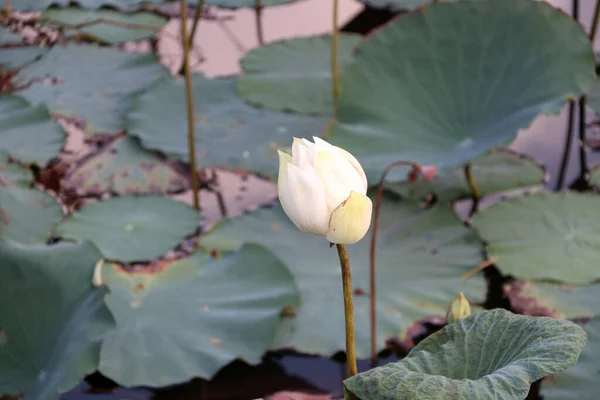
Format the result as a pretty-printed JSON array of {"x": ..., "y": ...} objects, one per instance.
[
  {"x": 351, "y": 220},
  {"x": 284, "y": 160},
  {"x": 302, "y": 154},
  {"x": 338, "y": 176},
  {"x": 356, "y": 166},
  {"x": 304, "y": 200}
]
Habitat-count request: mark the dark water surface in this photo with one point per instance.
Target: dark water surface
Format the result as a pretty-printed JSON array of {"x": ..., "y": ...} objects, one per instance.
[{"x": 544, "y": 141}]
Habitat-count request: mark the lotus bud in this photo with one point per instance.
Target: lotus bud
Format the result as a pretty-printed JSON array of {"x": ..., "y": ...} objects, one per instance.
[
  {"x": 322, "y": 189},
  {"x": 459, "y": 309}
]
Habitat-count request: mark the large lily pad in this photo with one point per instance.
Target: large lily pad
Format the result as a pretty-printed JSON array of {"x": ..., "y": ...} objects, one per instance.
[
  {"x": 229, "y": 132},
  {"x": 395, "y": 5},
  {"x": 294, "y": 74},
  {"x": 123, "y": 167},
  {"x": 27, "y": 215},
  {"x": 40, "y": 5},
  {"x": 242, "y": 3},
  {"x": 126, "y": 27},
  {"x": 579, "y": 382},
  {"x": 13, "y": 174},
  {"x": 487, "y": 356},
  {"x": 553, "y": 300},
  {"x": 420, "y": 258},
  {"x": 132, "y": 228},
  {"x": 544, "y": 236},
  {"x": 497, "y": 171},
  {"x": 52, "y": 319},
  {"x": 22, "y": 124},
  {"x": 445, "y": 84},
  {"x": 95, "y": 83},
  {"x": 194, "y": 316}
]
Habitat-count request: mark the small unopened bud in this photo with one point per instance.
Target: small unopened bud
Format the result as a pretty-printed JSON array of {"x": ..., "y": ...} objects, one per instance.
[{"x": 459, "y": 309}]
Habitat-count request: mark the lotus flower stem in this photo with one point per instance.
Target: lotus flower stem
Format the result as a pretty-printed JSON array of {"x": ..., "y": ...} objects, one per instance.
[
  {"x": 567, "y": 151},
  {"x": 348, "y": 309},
  {"x": 197, "y": 15},
  {"x": 7, "y": 8},
  {"x": 594, "y": 28},
  {"x": 259, "y": 28},
  {"x": 584, "y": 171},
  {"x": 372, "y": 297},
  {"x": 185, "y": 42},
  {"x": 472, "y": 184},
  {"x": 335, "y": 73}
]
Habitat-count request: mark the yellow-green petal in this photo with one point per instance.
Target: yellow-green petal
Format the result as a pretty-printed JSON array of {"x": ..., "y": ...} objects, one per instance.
[{"x": 351, "y": 220}]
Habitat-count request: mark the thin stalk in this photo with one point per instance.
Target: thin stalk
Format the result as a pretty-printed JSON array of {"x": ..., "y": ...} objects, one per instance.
[
  {"x": 258, "y": 17},
  {"x": 348, "y": 309},
  {"x": 567, "y": 151},
  {"x": 335, "y": 73},
  {"x": 372, "y": 298},
  {"x": 584, "y": 171},
  {"x": 594, "y": 28},
  {"x": 190, "y": 103},
  {"x": 472, "y": 184},
  {"x": 197, "y": 16},
  {"x": 7, "y": 8}
]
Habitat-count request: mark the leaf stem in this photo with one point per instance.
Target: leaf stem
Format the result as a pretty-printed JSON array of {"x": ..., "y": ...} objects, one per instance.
[
  {"x": 594, "y": 28},
  {"x": 348, "y": 309},
  {"x": 567, "y": 150},
  {"x": 472, "y": 184},
  {"x": 185, "y": 42},
  {"x": 258, "y": 17},
  {"x": 335, "y": 73},
  {"x": 584, "y": 171},
  {"x": 197, "y": 16}
]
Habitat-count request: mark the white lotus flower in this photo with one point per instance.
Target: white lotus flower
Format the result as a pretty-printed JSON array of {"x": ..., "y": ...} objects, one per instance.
[{"x": 322, "y": 188}]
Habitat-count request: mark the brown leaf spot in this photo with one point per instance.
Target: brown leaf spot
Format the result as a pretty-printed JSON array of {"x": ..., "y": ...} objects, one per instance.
[
  {"x": 215, "y": 342},
  {"x": 276, "y": 227},
  {"x": 523, "y": 302}
]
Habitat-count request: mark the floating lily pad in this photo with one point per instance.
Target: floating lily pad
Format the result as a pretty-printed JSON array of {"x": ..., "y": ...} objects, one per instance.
[
  {"x": 552, "y": 300},
  {"x": 40, "y": 5},
  {"x": 22, "y": 124},
  {"x": 17, "y": 57},
  {"x": 242, "y": 3},
  {"x": 420, "y": 258},
  {"x": 497, "y": 171},
  {"x": 126, "y": 27},
  {"x": 489, "y": 355},
  {"x": 132, "y": 228},
  {"x": 27, "y": 215},
  {"x": 595, "y": 176},
  {"x": 123, "y": 167},
  {"x": 544, "y": 236},
  {"x": 294, "y": 74},
  {"x": 94, "y": 83},
  {"x": 52, "y": 319},
  {"x": 439, "y": 88},
  {"x": 194, "y": 316},
  {"x": 229, "y": 132},
  {"x": 579, "y": 382},
  {"x": 593, "y": 97},
  {"x": 395, "y": 5},
  {"x": 8, "y": 37},
  {"x": 12, "y": 173}
]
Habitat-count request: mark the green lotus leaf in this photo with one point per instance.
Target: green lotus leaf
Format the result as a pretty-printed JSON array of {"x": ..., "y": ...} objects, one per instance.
[
  {"x": 498, "y": 171},
  {"x": 544, "y": 236},
  {"x": 94, "y": 83},
  {"x": 395, "y": 5},
  {"x": 242, "y": 3},
  {"x": 13, "y": 174},
  {"x": 132, "y": 228},
  {"x": 447, "y": 83},
  {"x": 123, "y": 167},
  {"x": 22, "y": 124},
  {"x": 52, "y": 319},
  {"x": 579, "y": 382},
  {"x": 229, "y": 132},
  {"x": 194, "y": 316},
  {"x": 126, "y": 27},
  {"x": 40, "y": 5},
  {"x": 421, "y": 255},
  {"x": 294, "y": 74},
  {"x": 490, "y": 355}
]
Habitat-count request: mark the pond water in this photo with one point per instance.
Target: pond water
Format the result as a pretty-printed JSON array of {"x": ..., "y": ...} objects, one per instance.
[{"x": 221, "y": 45}]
